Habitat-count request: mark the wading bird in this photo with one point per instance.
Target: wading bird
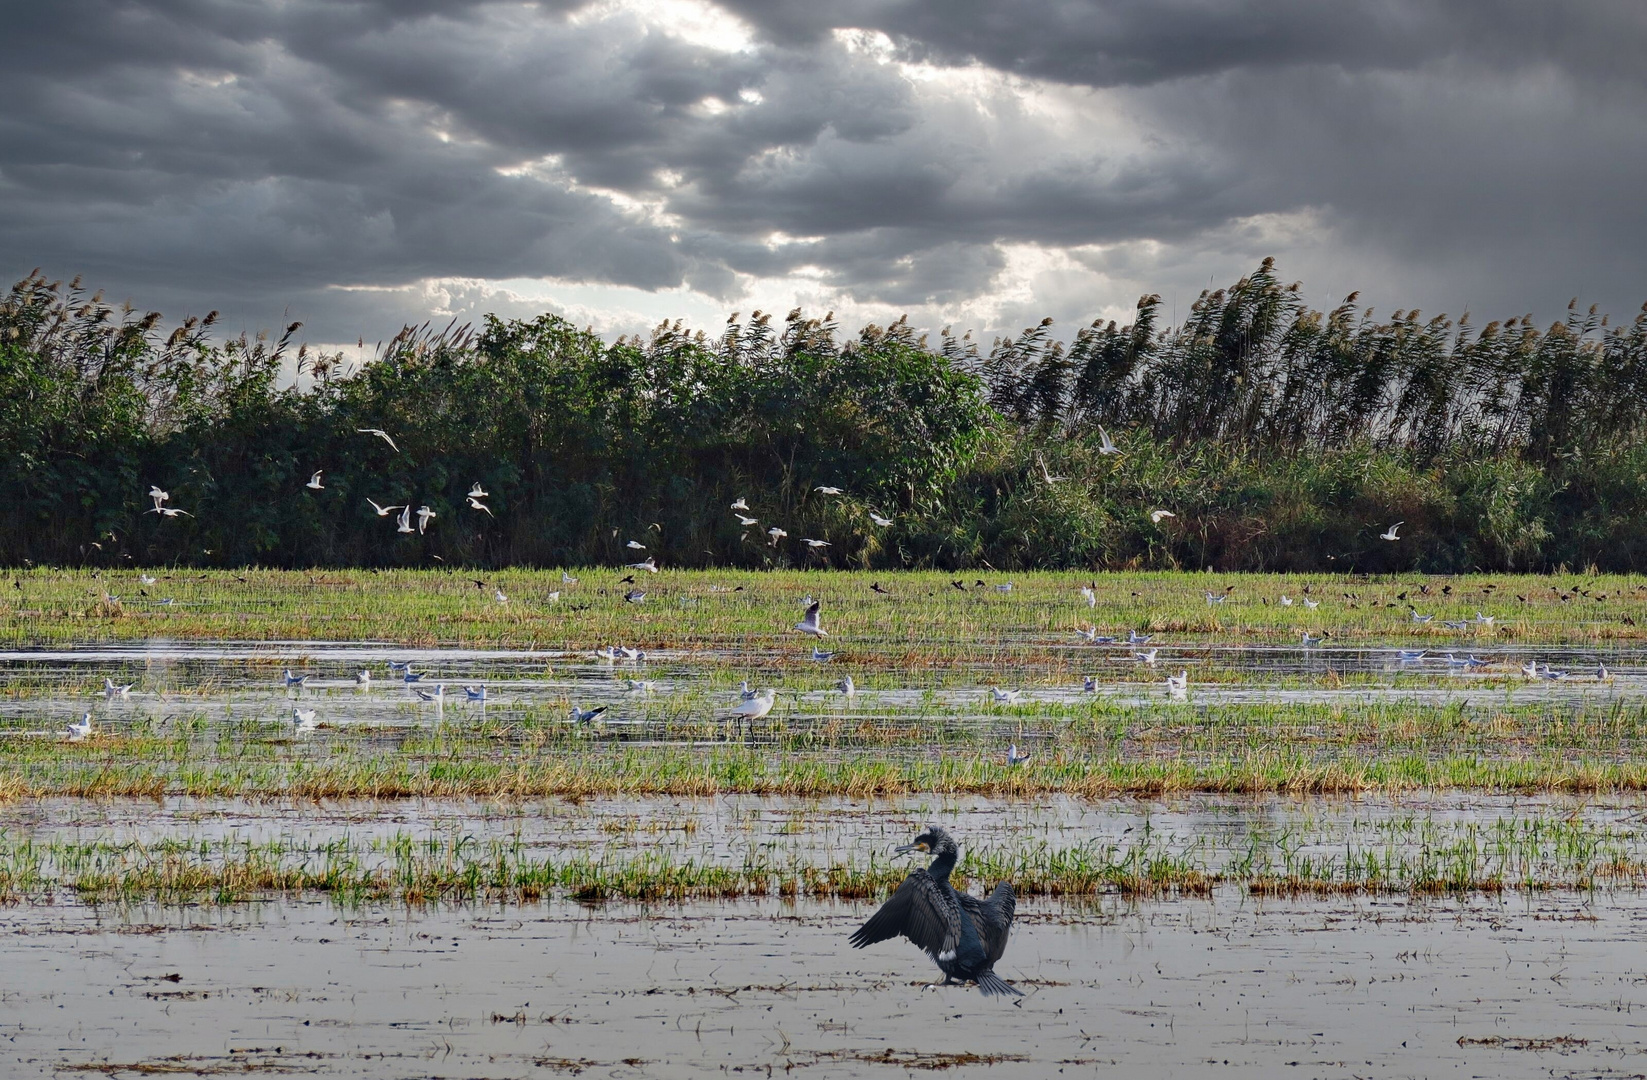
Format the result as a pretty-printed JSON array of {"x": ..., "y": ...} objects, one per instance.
[
  {"x": 810, "y": 624},
  {"x": 756, "y": 707},
  {"x": 964, "y": 936},
  {"x": 380, "y": 433}
]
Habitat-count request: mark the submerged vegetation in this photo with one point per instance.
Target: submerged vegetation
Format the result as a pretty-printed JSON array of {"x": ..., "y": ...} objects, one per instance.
[{"x": 1279, "y": 436}]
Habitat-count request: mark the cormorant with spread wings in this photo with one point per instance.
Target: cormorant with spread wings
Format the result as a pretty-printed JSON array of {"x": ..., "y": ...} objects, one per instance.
[{"x": 962, "y": 934}]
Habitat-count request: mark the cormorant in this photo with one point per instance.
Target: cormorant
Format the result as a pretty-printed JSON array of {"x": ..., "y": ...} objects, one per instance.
[{"x": 962, "y": 934}]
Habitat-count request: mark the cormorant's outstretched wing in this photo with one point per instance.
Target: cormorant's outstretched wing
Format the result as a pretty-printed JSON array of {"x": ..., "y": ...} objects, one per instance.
[
  {"x": 918, "y": 911},
  {"x": 993, "y": 916}
]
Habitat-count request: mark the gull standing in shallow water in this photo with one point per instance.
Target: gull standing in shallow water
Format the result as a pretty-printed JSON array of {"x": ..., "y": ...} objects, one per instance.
[
  {"x": 363, "y": 678},
  {"x": 583, "y": 716},
  {"x": 846, "y": 686},
  {"x": 1178, "y": 685},
  {"x": 80, "y": 730},
  {"x": 964, "y": 936},
  {"x": 756, "y": 707},
  {"x": 1016, "y": 756}
]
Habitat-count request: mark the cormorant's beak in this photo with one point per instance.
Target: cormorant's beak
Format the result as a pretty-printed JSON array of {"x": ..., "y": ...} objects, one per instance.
[{"x": 905, "y": 849}]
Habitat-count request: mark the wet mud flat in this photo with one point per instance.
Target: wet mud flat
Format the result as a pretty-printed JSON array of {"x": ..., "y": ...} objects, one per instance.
[{"x": 1515, "y": 985}]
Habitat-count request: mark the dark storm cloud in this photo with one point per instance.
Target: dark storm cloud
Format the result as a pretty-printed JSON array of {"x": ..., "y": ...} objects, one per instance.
[{"x": 213, "y": 153}]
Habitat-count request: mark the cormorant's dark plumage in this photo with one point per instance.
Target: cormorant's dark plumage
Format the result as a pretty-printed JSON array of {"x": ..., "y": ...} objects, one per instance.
[{"x": 962, "y": 934}]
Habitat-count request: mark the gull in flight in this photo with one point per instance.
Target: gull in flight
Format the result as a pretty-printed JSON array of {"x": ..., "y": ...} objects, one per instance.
[
  {"x": 1286, "y": 601},
  {"x": 476, "y": 504},
  {"x": 296, "y": 680},
  {"x": 478, "y": 492},
  {"x": 1216, "y": 598},
  {"x": 304, "y": 719},
  {"x": 1178, "y": 685},
  {"x": 1004, "y": 697},
  {"x": 635, "y": 545},
  {"x": 741, "y": 504},
  {"x": 583, "y": 716},
  {"x": 1046, "y": 474},
  {"x": 157, "y": 495},
  {"x": 384, "y": 511},
  {"x": 1089, "y": 596},
  {"x": 1146, "y": 657},
  {"x": 1105, "y": 445},
  {"x": 314, "y": 483},
  {"x": 650, "y": 565},
  {"x": 810, "y": 624},
  {"x": 145, "y": 579},
  {"x": 499, "y": 596},
  {"x": 380, "y": 433},
  {"x": 746, "y": 521},
  {"x": 1311, "y": 604},
  {"x": 112, "y": 690},
  {"x": 404, "y": 522},
  {"x": 1309, "y": 641},
  {"x": 80, "y": 730},
  {"x": 1135, "y": 638},
  {"x": 1016, "y": 756},
  {"x": 363, "y": 678},
  {"x": 567, "y": 579},
  {"x": 1155, "y": 516},
  {"x": 883, "y": 522},
  {"x": 825, "y": 489},
  {"x": 847, "y": 686},
  {"x": 814, "y": 544},
  {"x": 167, "y": 511},
  {"x": 755, "y": 707},
  {"x": 819, "y": 656},
  {"x": 1417, "y": 618},
  {"x": 1005, "y": 586},
  {"x": 424, "y": 515},
  {"x": 1390, "y": 533},
  {"x": 550, "y": 598},
  {"x": 635, "y": 596},
  {"x": 776, "y": 534},
  {"x": 1485, "y": 620}
]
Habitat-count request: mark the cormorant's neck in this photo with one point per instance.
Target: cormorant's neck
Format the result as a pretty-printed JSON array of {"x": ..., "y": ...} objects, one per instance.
[{"x": 942, "y": 865}]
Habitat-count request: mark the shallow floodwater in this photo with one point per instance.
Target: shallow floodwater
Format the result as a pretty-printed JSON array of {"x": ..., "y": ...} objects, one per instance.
[
  {"x": 647, "y": 699},
  {"x": 1546, "y": 986}
]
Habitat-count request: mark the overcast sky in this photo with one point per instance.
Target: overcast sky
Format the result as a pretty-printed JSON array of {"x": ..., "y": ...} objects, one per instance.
[{"x": 980, "y": 163}]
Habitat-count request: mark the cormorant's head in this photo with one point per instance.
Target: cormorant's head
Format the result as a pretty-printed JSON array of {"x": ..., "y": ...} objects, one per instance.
[{"x": 933, "y": 839}]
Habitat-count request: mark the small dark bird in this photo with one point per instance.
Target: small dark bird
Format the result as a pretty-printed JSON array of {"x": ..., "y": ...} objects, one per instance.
[
  {"x": 630, "y": 580},
  {"x": 962, "y": 934},
  {"x": 876, "y": 587},
  {"x": 479, "y": 584},
  {"x": 958, "y": 585}
]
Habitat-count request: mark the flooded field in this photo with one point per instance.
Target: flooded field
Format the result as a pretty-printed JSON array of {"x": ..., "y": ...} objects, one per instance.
[
  {"x": 1224, "y": 984},
  {"x": 1380, "y": 828}
]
